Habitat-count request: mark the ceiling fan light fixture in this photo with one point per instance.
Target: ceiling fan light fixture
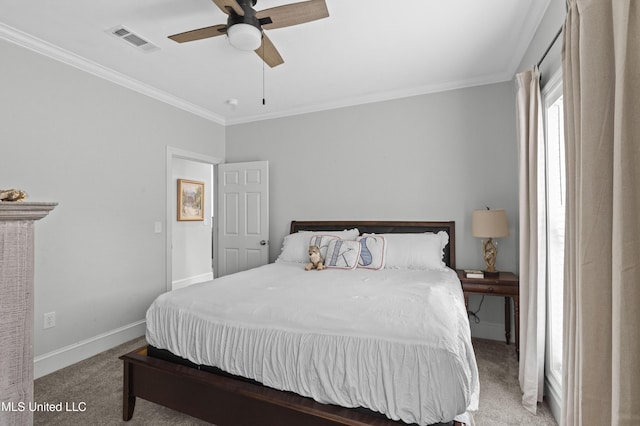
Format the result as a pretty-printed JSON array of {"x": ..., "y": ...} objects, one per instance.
[{"x": 244, "y": 36}]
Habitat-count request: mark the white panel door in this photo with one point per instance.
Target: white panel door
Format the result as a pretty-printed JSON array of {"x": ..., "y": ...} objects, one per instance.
[{"x": 243, "y": 216}]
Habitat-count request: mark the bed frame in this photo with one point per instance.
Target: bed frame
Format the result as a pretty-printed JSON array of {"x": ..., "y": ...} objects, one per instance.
[
  {"x": 385, "y": 227},
  {"x": 226, "y": 400}
]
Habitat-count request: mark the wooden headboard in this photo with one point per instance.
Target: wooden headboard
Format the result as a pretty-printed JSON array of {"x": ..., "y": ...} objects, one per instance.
[{"x": 385, "y": 227}]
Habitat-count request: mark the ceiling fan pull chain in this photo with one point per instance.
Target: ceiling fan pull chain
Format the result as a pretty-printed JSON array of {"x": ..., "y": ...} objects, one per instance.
[{"x": 263, "y": 97}]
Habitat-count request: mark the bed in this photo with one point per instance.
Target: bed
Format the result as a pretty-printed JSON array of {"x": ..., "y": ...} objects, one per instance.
[{"x": 352, "y": 345}]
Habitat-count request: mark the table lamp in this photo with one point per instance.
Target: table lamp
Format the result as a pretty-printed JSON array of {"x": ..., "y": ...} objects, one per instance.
[{"x": 489, "y": 224}]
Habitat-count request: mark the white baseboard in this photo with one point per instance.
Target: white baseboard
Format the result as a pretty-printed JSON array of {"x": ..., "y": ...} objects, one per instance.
[
  {"x": 191, "y": 280},
  {"x": 64, "y": 357}
]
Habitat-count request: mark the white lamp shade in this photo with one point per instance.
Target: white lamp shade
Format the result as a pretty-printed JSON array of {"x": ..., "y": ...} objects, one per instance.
[
  {"x": 244, "y": 36},
  {"x": 489, "y": 224}
]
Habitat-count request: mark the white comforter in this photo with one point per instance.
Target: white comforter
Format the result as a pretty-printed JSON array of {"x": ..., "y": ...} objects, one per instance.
[{"x": 394, "y": 341}]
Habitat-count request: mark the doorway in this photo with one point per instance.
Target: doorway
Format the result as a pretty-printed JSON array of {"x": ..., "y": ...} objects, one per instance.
[{"x": 189, "y": 245}]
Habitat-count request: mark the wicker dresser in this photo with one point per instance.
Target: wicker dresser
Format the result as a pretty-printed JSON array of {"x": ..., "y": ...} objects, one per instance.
[{"x": 16, "y": 309}]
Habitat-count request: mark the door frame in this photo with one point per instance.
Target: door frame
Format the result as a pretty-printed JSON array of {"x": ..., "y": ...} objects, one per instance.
[{"x": 172, "y": 153}]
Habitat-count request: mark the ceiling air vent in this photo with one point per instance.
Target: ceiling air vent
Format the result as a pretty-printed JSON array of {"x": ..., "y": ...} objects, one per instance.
[{"x": 133, "y": 39}]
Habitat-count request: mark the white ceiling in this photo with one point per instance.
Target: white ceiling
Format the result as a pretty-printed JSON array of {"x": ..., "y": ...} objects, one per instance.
[{"x": 365, "y": 51}]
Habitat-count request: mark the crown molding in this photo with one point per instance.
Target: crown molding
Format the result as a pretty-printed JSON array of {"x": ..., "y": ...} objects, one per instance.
[
  {"x": 378, "y": 97},
  {"x": 30, "y": 42},
  {"x": 527, "y": 31},
  {"x": 42, "y": 47}
]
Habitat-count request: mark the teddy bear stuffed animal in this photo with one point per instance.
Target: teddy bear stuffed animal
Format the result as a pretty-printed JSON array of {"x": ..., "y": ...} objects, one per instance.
[{"x": 315, "y": 259}]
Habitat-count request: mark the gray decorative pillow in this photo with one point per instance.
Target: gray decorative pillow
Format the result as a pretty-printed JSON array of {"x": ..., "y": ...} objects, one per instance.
[
  {"x": 372, "y": 251},
  {"x": 342, "y": 254}
]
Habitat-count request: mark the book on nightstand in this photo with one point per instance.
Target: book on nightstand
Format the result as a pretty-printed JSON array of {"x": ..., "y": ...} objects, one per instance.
[{"x": 473, "y": 273}]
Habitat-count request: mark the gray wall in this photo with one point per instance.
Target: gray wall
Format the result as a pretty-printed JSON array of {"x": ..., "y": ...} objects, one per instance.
[
  {"x": 431, "y": 157},
  {"x": 99, "y": 150}
]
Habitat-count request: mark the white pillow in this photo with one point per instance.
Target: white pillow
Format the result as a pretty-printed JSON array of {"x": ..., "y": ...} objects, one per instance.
[
  {"x": 342, "y": 254},
  {"x": 416, "y": 251},
  {"x": 372, "y": 251},
  {"x": 295, "y": 247}
]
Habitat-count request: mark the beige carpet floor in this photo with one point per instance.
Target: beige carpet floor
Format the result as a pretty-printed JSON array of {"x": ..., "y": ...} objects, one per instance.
[{"x": 95, "y": 386}]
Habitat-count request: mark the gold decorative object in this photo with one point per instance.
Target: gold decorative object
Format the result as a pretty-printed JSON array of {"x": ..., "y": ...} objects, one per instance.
[
  {"x": 490, "y": 252},
  {"x": 489, "y": 224},
  {"x": 190, "y": 200},
  {"x": 12, "y": 195}
]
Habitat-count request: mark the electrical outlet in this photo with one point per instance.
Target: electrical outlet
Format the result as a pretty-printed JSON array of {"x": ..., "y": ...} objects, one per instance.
[{"x": 49, "y": 320}]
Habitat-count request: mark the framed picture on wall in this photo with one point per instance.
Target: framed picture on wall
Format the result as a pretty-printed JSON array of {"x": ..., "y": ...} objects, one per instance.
[{"x": 190, "y": 200}]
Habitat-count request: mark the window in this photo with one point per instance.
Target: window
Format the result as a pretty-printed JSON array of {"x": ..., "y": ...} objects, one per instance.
[{"x": 555, "y": 218}]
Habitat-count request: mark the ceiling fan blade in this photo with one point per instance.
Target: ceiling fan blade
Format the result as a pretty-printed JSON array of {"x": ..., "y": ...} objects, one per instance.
[
  {"x": 293, "y": 14},
  {"x": 268, "y": 52},
  {"x": 206, "y": 32},
  {"x": 226, "y": 5}
]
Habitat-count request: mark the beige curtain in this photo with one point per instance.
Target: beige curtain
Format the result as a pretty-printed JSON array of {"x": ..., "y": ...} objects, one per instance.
[
  {"x": 532, "y": 238},
  {"x": 601, "y": 80}
]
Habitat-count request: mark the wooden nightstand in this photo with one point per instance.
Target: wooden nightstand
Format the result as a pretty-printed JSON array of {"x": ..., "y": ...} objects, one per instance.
[{"x": 506, "y": 284}]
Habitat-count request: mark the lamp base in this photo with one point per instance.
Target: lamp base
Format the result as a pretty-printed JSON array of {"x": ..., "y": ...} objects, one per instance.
[{"x": 494, "y": 274}]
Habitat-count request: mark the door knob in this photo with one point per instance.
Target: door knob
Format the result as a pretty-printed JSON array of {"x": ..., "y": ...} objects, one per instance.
[{"x": 263, "y": 243}]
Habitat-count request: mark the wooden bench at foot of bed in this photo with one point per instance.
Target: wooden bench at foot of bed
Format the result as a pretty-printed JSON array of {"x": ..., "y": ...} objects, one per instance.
[{"x": 226, "y": 401}]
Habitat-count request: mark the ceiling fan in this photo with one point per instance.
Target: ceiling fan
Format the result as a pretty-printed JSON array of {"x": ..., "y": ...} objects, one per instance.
[{"x": 245, "y": 25}]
